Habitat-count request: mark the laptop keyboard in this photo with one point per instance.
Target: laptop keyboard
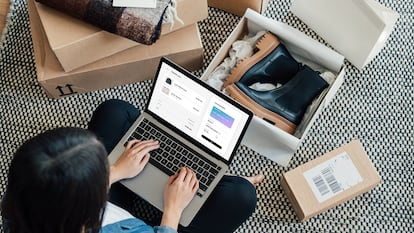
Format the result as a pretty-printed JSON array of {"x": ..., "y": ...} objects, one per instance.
[{"x": 172, "y": 155}]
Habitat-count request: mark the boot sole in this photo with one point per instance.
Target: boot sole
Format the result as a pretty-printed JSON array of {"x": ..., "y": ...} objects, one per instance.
[
  {"x": 260, "y": 111},
  {"x": 265, "y": 46}
]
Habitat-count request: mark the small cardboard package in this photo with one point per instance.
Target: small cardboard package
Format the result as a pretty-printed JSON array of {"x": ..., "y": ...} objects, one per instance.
[
  {"x": 77, "y": 43},
  {"x": 238, "y": 7},
  {"x": 329, "y": 180},
  {"x": 265, "y": 138},
  {"x": 135, "y": 64}
]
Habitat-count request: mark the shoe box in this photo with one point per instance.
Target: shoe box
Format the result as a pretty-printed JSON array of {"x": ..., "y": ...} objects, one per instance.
[
  {"x": 77, "y": 43},
  {"x": 330, "y": 19},
  {"x": 133, "y": 64},
  {"x": 238, "y": 7},
  {"x": 329, "y": 180}
]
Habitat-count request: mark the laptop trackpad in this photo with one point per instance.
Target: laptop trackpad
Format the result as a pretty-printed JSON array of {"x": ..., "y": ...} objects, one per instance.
[{"x": 149, "y": 185}]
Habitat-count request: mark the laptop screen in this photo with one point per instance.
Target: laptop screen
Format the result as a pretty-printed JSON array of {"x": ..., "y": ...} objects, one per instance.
[{"x": 198, "y": 111}]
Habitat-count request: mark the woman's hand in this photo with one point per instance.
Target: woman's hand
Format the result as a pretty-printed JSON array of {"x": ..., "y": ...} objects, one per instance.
[
  {"x": 178, "y": 193},
  {"x": 133, "y": 160}
]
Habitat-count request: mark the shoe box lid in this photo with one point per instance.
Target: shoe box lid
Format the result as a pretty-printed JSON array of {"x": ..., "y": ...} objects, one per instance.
[{"x": 358, "y": 29}]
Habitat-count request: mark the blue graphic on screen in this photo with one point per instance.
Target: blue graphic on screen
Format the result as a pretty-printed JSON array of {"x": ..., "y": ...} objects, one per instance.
[{"x": 222, "y": 117}]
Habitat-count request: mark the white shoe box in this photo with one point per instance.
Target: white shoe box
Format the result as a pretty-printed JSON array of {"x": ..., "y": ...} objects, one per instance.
[{"x": 265, "y": 138}]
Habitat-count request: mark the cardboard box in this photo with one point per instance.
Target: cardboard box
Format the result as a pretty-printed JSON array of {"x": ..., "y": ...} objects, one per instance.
[
  {"x": 132, "y": 65},
  {"x": 329, "y": 180},
  {"x": 238, "y": 7},
  {"x": 273, "y": 142},
  {"x": 77, "y": 43}
]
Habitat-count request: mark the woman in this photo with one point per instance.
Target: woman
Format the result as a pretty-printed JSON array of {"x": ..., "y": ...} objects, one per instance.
[{"x": 59, "y": 181}]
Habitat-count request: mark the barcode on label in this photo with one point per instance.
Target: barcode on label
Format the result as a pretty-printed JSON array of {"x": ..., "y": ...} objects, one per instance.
[
  {"x": 320, "y": 185},
  {"x": 332, "y": 177},
  {"x": 326, "y": 182},
  {"x": 331, "y": 180}
]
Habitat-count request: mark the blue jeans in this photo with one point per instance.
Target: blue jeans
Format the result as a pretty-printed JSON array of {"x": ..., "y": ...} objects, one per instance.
[{"x": 230, "y": 204}]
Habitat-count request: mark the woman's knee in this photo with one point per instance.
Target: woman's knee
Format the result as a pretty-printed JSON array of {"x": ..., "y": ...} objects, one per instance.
[
  {"x": 114, "y": 110},
  {"x": 111, "y": 120},
  {"x": 242, "y": 193},
  {"x": 248, "y": 195},
  {"x": 117, "y": 107}
]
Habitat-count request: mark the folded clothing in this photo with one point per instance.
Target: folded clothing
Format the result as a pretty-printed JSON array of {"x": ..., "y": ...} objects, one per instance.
[{"x": 142, "y": 25}]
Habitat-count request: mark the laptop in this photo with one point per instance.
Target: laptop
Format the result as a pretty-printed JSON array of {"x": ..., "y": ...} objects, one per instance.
[{"x": 197, "y": 127}]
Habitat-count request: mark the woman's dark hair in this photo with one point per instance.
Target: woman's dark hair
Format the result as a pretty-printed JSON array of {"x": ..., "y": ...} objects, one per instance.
[{"x": 57, "y": 183}]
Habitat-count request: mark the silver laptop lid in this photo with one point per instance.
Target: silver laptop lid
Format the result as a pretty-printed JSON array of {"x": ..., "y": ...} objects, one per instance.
[{"x": 196, "y": 111}]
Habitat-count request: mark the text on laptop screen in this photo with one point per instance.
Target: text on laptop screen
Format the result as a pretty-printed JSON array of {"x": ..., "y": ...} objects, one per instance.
[{"x": 197, "y": 111}]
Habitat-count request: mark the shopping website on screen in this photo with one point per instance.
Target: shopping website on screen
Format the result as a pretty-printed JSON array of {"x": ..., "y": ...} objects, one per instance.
[{"x": 196, "y": 111}]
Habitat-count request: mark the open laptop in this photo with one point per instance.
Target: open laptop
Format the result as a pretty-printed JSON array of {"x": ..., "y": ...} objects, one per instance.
[{"x": 196, "y": 125}]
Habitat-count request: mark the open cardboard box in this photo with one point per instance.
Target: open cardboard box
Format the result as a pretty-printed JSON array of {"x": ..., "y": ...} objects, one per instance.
[
  {"x": 77, "y": 43},
  {"x": 132, "y": 65},
  {"x": 261, "y": 136},
  {"x": 238, "y": 7}
]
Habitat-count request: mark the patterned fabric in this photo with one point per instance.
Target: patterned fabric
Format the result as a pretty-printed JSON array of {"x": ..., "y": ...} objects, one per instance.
[
  {"x": 374, "y": 105},
  {"x": 142, "y": 25}
]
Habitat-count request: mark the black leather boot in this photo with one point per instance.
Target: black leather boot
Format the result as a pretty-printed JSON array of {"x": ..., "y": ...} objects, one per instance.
[
  {"x": 284, "y": 106},
  {"x": 271, "y": 63}
]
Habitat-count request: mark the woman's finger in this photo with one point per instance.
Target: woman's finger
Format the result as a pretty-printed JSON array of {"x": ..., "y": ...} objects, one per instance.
[
  {"x": 191, "y": 177},
  {"x": 145, "y": 159},
  {"x": 132, "y": 143},
  {"x": 196, "y": 186},
  {"x": 145, "y": 147},
  {"x": 182, "y": 174},
  {"x": 172, "y": 178},
  {"x": 188, "y": 174}
]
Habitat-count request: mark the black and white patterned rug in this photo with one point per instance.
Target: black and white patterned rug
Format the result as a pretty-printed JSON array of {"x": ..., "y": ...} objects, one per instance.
[{"x": 373, "y": 105}]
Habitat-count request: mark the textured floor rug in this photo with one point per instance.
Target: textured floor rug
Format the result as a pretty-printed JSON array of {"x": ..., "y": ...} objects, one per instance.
[{"x": 374, "y": 105}]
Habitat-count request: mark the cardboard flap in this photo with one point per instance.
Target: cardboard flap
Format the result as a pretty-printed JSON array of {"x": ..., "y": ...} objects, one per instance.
[
  {"x": 273, "y": 143},
  {"x": 390, "y": 18},
  {"x": 358, "y": 29}
]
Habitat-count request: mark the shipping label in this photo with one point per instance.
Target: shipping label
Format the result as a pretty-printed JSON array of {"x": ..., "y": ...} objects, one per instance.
[{"x": 332, "y": 177}]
